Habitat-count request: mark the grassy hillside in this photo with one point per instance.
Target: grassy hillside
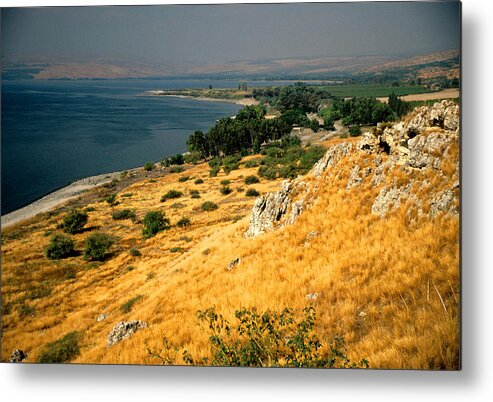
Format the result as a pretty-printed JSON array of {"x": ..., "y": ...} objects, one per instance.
[{"x": 389, "y": 285}]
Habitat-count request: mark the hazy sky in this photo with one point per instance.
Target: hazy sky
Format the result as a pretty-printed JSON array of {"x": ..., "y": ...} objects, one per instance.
[{"x": 218, "y": 33}]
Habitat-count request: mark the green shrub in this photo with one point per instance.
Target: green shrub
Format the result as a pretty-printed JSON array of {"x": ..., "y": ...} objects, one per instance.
[
  {"x": 97, "y": 246},
  {"x": 268, "y": 339},
  {"x": 60, "y": 247},
  {"x": 198, "y": 181},
  {"x": 127, "y": 195},
  {"x": 215, "y": 162},
  {"x": 194, "y": 194},
  {"x": 123, "y": 214},
  {"x": 176, "y": 169},
  {"x": 193, "y": 157},
  {"x": 288, "y": 171},
  {"x": 183, "y": 222},
  {"x": 354, "y": 131},
  {"x": 111, "y": 200},
  {"x": 62, "y": 350},
  {"x": 255, "y": 162},
  {"x": 175, "y": 249},
  {"x": 183, "y": 179},
  {"x": 225, "y": 182},
  {"x": 149, "y": 166},
  {"x": 74, "y": 221},
  {"x": 127, "y": 306},
  {"x": 171, "y": 194},
  {"x": 90, "y": 209},
  {"x": 134, "y": 252},
  {"x": 240, "y": 189},
  {"x": 251, "y": 192},
  {"x": 225, "y": 190},
  {"x": 209, "y": 206},
  {"x": 251, "y": 179},
  {"x": 214, "y": 171},
  {"x": 154, "y": 222},
  {"x": 311, "y": 156},
  {"x": 268, "y": 172}
]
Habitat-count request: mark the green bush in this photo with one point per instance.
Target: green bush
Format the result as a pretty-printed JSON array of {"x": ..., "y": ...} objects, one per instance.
[
  {"x": 215, "y": 162},
  {"x": 354, "y": 131},
  {"x": 255, "y": 162},
  {"x": 225, "y": 182},
  {"x": 75, "y": 221},
  {"x": 149, "y": 166},
  {"x": 154, "y": 222},
  {"x": 111, "y": 200},
  {"x": 251, "y": 179},
  {"x": 60, "y": 247},
  {"x": 127, "y": 306},
  {"x": 209, "y": 206},
  {"x": 268, "y": 172},
  {"x": 214, "y": 171},
  {"x": 288, "y": 172},
  {"x": 251, "y": 192},
  {"x": 198, "y": 181},
  {"x": 175, "y": 249},
  {"x": 62, "y": 350},
  {"x": 176, "y": 169},
  {"x": 183, "y": 179},
  {"x": 225, "y": 190},
  {"x": 310, "y": 157},
  {"x": 194, "y": 194},
  {"x": 183, "y": 222},
  {"x": 240, "y": 189},
  {"x": 97, "y": 246},
  {"x": 193, "y": 157},
  {"x": 268, "y": 339},
  {"x": 134, "y": 252},
  {"x": 123, "y": 214},
  {"x": 171, "y": 194}
]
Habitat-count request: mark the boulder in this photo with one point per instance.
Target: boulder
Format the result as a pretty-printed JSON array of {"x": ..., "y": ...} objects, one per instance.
[
  {"x": 389, "y": 199},
  {"x": 17, "y": 356},
  {"x": 123, "y": 330}
]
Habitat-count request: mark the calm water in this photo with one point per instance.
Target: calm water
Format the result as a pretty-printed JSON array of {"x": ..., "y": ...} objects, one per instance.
[{"x": 56, "y": 132}]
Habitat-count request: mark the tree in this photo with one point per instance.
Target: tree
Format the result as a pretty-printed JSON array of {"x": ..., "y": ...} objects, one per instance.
[
  {"x": 74, "y": 221},
  {"x": 155, "y": 222},
  {"x": 60, "y": 247},
  {"x": 97, "y": 246}
]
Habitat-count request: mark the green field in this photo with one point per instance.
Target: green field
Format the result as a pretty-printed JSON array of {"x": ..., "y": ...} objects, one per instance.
[{"x": 374, "y": 91}]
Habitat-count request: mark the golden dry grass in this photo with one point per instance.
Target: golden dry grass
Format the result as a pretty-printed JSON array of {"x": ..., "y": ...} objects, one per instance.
[{"x": 389, "y": 285}]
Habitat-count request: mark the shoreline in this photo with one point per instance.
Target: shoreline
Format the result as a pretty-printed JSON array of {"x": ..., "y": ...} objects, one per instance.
[
  {"x": 59, "y": 197},
  {"x": 241, "y": 102}
]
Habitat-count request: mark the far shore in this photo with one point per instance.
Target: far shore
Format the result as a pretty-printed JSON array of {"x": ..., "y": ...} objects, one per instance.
[{"x": 59, "y": 197}]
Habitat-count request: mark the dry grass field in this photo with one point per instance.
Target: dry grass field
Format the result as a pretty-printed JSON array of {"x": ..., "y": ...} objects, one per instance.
[{"x": 389, "y": 286}]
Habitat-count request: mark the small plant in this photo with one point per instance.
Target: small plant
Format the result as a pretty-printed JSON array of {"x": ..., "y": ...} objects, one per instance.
[
  {"x": 149, "y": 166},
  {"x": 123, "y": 214},
  {"x": 74, "y": 221},
  {"x": 152, "y": 181},
  {"x": 134, "y": 252},
  {"x": 251, "y": 192},
  {"x": 194, "y": 194},
  {"x": 97, "y": 246},
  {"x": 127, "y": 306},
  {"x": 171, "y": 194},
  {"x": 150, "y": 275},
  {"x": 251, "y": 179},
  {"x": 175, "y": 249},
  {"x": 130, "y": 268},
  {"x": 62, "y": 350},
  {"x": 185, "y": 239},
  {"x": 214, "y": 171},
  {"x": 225, "y": 190},
  {"x": 183, "y": 222},
  {"x": 127, "y": 195},
  {"x": 90, "y": 209},
  {"x": 183, "y": 178},
  {"x": 252, "y": 163},
  {"x": 25, "y": 310},
  {"x": 111, "y": 200},
  {"x": 240, "y": 189},
  {"x": 225, "y": 182},
  {"x": 60, "y": 247},
  {"x": 154, "y": 222},
  {"x": 208, "y": 206},
  {"x": 354, "y": 131},
  {"x": 176, "y": 169},
  {"x": 198, "y": 181},
  {"x": 268, "y": 172}
]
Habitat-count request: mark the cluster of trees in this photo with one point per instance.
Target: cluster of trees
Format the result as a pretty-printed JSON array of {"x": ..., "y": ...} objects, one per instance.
[
  {"x": 364, "y": 110},
  {"x": 299, "y": 96},
  {"x": 243, "y": 134}
]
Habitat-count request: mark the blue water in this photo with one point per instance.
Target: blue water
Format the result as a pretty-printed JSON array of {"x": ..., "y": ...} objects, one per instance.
[{"x": 56, "y": 132}]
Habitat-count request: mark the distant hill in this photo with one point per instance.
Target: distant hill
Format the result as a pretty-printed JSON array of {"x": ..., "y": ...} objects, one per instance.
[{"x": 324, "y": 67}]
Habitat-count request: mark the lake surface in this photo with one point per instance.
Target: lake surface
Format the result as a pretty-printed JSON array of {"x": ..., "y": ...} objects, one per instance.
[{"x": 56, "y": 132}]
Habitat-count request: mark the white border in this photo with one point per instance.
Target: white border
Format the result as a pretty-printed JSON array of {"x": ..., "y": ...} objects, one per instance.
[{"x": 473, "y": 383}]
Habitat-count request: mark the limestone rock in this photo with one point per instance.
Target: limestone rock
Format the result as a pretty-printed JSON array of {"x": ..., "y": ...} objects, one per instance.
[
  {"x": 123, "y": 330},
  {"x": 427, "y": 150},
  {"x": 389, "y": 199},
  {"x": 443, "y": 202},
  {"x": 331, "y": 157},
  {"x": 234, "y": 263},
  {"x": 102, "y": 317},
  {"x": 17, "y": 356},
  {"x": 312, "y": 296}
]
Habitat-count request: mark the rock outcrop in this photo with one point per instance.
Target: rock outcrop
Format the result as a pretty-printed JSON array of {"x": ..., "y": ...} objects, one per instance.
[
  {"x": 419, "y": 142},
  {"x": 124, "y": 330},
  {"x": 17, "y": 356}
]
